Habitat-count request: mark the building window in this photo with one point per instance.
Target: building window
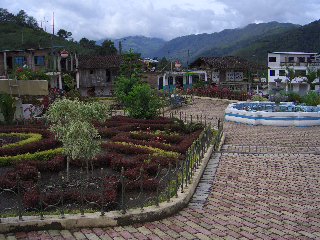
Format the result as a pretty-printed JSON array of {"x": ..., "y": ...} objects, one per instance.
[
  {"x": 301, "y": 59},
  {"x": 300, "y": 73},
  {"x": 91, "y": 71},
  {"x": 19, "y": 61},
  {"x": 272, "y": 73},
  {"x": 272, "y": 59},
  {"x": 282, "y": 73},
  {"x": 290, "y": 59},
  {"x": 170, "y": 80},
  {"x": 39, "y": 60}
]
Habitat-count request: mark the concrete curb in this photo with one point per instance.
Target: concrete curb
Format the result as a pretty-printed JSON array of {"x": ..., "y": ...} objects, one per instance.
[{"x": 113, "y": 218}]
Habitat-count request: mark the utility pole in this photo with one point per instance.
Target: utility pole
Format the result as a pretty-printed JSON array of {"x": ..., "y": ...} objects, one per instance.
[
  {"x": 52, "y": 23},
  {"x": 120, "y": 47}
]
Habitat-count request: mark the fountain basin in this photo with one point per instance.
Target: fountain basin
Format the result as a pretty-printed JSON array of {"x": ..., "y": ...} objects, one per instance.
[{"x": 258, "y": 113}]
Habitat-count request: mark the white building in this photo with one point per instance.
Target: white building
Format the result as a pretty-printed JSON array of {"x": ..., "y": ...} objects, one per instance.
[{"x": 300, "y": 62}]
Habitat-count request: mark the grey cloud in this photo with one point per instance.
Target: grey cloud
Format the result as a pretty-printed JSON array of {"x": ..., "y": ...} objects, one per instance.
[{"x": 166, "y": 19}]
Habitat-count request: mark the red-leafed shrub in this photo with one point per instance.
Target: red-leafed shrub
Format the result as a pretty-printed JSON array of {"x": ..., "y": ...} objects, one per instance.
[
  {"x": 125, "y": 149},
  {"x": 108, "y": 132},
  {"x": 31, "y": 199},
  {"x": 133, "y": 173},
  {"x": 26, "y": 171},
  {"x": 56, "y": 164},
  {"x": 7, "y": 183},
  {"x": 118, "y": 163}
]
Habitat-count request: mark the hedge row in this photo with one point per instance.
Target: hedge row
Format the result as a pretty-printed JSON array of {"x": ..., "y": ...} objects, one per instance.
[
  {"x": 38, "y": 156},
  {"x": 26, "y": 138}
]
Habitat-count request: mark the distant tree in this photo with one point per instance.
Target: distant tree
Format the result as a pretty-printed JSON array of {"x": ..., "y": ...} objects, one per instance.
[
  {"x": 107, "y": 48},
  {"x": 21, "y": 17},
  {"x": 86, "y": 43},
  {"x": 32, "y": 22},
  {"x": 130, "y": 75},
  {"x": 63, "y": 33},
  {"x": 131, "y": 66},
  {"x": 312, "y": 75},
  {"x": 5, "y": 16}
]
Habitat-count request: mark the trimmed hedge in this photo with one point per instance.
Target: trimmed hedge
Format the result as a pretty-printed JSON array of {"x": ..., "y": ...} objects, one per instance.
[
  {"x": 30, "y": 138},
  {"x": 38, "y": 156}
]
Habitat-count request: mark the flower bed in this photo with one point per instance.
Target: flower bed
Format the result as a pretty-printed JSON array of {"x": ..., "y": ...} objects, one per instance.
[{"x": 139, "y": 152}]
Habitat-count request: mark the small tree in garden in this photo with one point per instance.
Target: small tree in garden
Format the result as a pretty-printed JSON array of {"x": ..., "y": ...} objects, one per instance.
[
  {"x": 72, "y": 124},
  {"x": 130, "y": 75},
  {"x": 137, "y": 98},
  {"x": 143, "y": 102}
]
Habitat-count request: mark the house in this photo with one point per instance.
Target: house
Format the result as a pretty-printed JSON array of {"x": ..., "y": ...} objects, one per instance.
[
  {"x": 171, "y": 80},
  {"x": 301, "y": 63},
  {"x": 229, "y": 71},
  {"x": 52, "y": 61},
  {"x": 95, "y": 75}
]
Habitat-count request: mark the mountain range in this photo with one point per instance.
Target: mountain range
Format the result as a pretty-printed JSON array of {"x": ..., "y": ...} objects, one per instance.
[{"x": 252, "y": 42}]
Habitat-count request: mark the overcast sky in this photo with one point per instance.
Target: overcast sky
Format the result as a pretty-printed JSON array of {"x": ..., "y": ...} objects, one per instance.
[{"x": 167, "y": 19}]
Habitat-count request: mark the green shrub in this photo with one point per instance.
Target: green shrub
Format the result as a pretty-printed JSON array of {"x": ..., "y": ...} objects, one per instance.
[
  {"x": 38, "y": 156},
  {"x": 258, "y": 98},
  {"x": 7, "y": 107},
  {"x": 123, "y": 87},
  {"x": 143, "y": 102},
  {"x": 311, "y": 99},
  {"x": 294, "y": 97},
  {"x": 28, "y": 138}
]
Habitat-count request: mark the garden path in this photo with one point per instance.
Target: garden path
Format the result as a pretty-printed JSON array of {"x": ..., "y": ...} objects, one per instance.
[{"x": 266, "y": 187}]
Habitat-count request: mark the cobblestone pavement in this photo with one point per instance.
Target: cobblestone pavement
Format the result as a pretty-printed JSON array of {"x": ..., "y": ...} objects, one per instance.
[{"x": 266, "y": 187}]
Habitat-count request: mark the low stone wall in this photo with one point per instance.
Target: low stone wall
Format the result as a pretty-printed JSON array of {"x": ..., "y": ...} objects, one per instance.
[{"x": 26, "y": 87}]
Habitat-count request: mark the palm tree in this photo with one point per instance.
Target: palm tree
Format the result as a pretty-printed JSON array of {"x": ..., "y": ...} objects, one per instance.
[{"x": 290, "y": 76}]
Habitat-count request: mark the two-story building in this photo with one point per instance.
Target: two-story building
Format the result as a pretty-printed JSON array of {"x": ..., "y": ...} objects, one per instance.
[
  {"x": 230, "y": 71},
  {"x": 301, "y": 63}
]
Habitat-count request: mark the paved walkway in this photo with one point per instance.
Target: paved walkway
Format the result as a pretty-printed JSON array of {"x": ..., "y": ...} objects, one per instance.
[{"x": 266, "y": 187}]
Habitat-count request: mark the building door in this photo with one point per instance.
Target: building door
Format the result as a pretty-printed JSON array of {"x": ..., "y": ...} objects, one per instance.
[
  {"x": 170, "y": 83},
  {"x": 179, "y": 82},
  {"x": 160, "y": 86},
  {"x": 9, "y": 63}
]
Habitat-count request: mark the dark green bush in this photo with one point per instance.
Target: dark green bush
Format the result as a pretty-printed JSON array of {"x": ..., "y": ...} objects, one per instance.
[
  {"x": 294, "y": 97},
  {"x": 7, "y": 107},
  {"x": 311, "y": 99},
  {"x": 143, "y": 102}
]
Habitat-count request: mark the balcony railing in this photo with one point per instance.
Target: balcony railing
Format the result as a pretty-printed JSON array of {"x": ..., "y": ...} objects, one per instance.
[{"x": 303, "y": 64}]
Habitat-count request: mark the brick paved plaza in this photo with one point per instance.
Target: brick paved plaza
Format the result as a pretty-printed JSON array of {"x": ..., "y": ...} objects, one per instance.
[{"x": 266, "y": 187}]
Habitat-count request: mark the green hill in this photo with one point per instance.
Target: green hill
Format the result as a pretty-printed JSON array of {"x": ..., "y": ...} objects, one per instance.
[
  {"x": 302, "y": 39},
  {"x": 14, "y": 36}
]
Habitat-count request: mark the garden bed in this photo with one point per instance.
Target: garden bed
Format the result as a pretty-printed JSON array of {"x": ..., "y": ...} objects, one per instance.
[{"x": 138, "y": 158}]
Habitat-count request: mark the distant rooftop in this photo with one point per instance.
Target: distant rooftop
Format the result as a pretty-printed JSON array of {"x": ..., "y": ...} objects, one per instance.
[{"x": 296, "y": 53}]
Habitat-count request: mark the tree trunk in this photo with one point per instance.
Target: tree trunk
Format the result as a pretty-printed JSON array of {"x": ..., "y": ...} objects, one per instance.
[{"x": 68, "y": 168}]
